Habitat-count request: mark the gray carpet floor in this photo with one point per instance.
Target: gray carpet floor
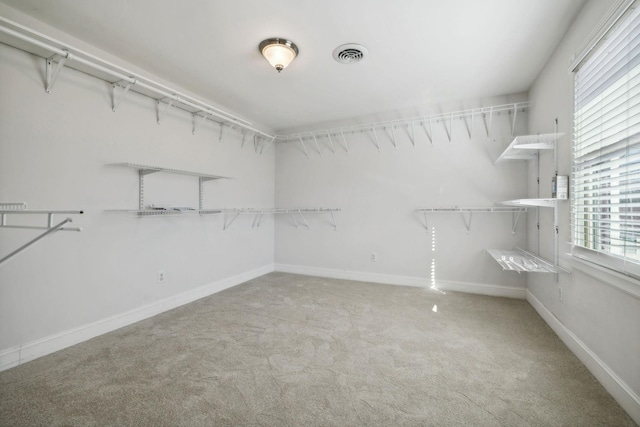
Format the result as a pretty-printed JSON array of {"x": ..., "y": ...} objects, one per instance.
[{"x": 289, "y": 350}]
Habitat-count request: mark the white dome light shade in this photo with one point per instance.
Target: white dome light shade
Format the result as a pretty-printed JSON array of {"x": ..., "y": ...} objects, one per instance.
[{"x": 279, "y": 52}]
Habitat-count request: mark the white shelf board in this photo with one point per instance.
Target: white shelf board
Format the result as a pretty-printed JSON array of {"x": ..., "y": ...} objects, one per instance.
[
  {"x": 151, "y": 169},
  {"x": 545, "y": 203},
  {"x": 526, "y": 147},
  {"x": 522, "y": 261}
]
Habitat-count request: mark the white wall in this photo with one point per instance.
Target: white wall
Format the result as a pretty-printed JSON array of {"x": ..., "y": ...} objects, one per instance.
[
  {"x": 599, "y": 320},
  {"x": 54, "y": 149},
  {"x": 379, "y": 193}
]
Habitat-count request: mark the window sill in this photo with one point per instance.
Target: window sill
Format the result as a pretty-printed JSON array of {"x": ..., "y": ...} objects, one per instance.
[{"x": 627, "y": 284}]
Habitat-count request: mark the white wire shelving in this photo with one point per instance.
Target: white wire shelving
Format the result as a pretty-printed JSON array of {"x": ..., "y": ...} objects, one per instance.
[
  {"x": 468, "y": 212},
  {"x": 9, "y": 209},
  {"x": 297, "y": 215},
  {"x": 526, "y": 147},
  {"x": 390, "y": 129},
  {"x": 148, "y": 211},
  {"x": 58, "y": 55},
  {"x": 522, "y": 261},
  {"x": 543, "y": 203}
]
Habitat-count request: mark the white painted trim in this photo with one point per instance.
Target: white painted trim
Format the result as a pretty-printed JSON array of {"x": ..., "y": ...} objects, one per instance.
[
  {"x": 482, "y": 289},
  {"x": 359, "y": 276},
  {"x": 620, "y": 391},
  {"x": 391, "y": 279},
  {"x": 622, "y": 282},
  {"x": 18, "y": 355}
]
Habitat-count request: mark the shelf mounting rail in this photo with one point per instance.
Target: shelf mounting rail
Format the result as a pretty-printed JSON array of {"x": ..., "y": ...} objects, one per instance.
[{"x": 20, "y": 208}]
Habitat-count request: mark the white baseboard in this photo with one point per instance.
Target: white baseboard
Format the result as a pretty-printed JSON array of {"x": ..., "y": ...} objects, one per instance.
[
  {"x": 358, "y": 276},
  {"x": 483, "y": 289},
  {"x": 620, "y": 391},
  {"x": 390, "y": 279},
  {"x": 18, "y": 355}
]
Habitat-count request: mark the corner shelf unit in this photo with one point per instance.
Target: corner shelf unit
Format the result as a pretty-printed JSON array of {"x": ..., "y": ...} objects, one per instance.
[
  {"x": 528, "y": 147},
  {"x": 142, "y": 211},
  {"x": 20, "y": 208},
  {"x": 297, "y": 215},
  {"x": 467, "y": 214}
]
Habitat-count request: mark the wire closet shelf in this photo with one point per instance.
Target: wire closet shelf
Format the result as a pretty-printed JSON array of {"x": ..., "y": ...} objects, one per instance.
[{"x": 59, "y": 55}]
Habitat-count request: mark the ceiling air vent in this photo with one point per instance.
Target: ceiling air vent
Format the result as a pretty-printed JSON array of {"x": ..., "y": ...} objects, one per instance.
[{"x": 349, "y": 53}]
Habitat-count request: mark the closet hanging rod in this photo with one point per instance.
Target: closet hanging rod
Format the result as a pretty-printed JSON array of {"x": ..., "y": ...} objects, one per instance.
[{"x": 120, "y": 74}]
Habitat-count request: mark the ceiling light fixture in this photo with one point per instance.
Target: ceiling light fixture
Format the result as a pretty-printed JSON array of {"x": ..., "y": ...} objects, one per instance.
[{"x": 279, "y": 52}]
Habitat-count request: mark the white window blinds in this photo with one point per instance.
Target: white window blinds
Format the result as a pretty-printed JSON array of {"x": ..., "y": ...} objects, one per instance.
[{"x": 606, "y": 150}]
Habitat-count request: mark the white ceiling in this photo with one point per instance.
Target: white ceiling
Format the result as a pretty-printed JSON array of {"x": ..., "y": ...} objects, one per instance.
[{"x": 421, "y": 52}]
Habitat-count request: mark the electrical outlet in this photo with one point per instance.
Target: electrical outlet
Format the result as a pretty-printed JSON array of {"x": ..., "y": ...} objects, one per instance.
[
  {"x": 374, "y": 257},
  {"x": 161, "y": 276}
]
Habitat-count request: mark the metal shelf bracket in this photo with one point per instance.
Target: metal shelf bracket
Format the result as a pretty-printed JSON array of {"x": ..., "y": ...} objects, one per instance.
[
  {"x": 52, "y": 73},
  {"x": 125, "y": 90}
]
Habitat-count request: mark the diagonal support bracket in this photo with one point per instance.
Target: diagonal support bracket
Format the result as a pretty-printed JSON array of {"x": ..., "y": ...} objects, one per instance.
[
  {"x": 52, "y": 71},
  {"x": 344, "y": 141},
  {"x": 304, "y": 147},
  {"x": 429, "y": 131},
  {"x": 166, "y": 110},
  {"x": 117, "y": 100}
]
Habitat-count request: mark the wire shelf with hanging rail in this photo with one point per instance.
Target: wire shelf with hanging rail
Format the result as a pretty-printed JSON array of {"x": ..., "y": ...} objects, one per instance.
[
  {"x": 468, "y": 212},
  {"x": 58, "y": 55},
  {"x": 409, "y": 126},
  {"x": 15, "y": 209},
  {"x": 298, "y": 215}
]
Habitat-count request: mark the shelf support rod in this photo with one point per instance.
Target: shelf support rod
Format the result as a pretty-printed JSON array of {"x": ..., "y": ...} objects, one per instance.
[
  {"x": 116, "y": 100},
  {"x": 473, "y": 115},
  {"x": 412, "y": 135},
  {"x": 428, "y": 132},
  {"x": 515, "y": 218},
  {"x": 52, "y": 74},
  {"x": 513, "y": 124},
  {"x": 228, "y": 224},
  {"x": 333, "y": 219},
  {"x": 467, "y": 221},
  {"x": 317, "y": 145},
  {"x": 267, "y": 145},
  {"x": 220, "y": 136},
  {"x": 194, "y": 117},
  {"x": 303, "y": 146},
  {"x": 50, "y": 230},
  {"x": 333, "y": 148},
  {"x": 169, "y": 104},
  {"x": 375, "y": 136},
  {"x": 393, "y": 136},
  {"x": 466, "y": 125},
  {"x": 294, "y": 218},
  {"x": 344, "y": 140},
  {"x": 306, "y": 224}
]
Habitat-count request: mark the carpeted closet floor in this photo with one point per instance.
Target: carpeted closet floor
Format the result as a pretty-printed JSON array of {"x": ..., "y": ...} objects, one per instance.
[{"x": 289, "y": 350}]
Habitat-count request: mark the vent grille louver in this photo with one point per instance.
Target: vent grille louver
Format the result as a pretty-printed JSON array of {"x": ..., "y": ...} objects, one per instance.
[{"x": 349, "y": 53}]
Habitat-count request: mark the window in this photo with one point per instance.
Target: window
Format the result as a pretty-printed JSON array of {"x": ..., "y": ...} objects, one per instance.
[{"x": 606, "y": 149}]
